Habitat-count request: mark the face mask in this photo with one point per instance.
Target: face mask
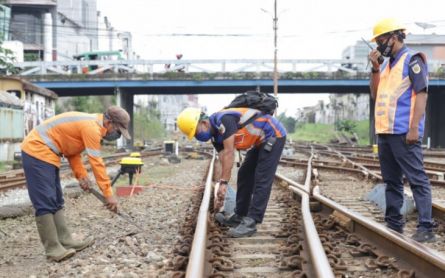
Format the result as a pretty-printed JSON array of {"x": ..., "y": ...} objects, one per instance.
[
  {"x": 204, "y": 136},
  {"x": 385, "y": 49},
  {"x": 112, "y": 136}
]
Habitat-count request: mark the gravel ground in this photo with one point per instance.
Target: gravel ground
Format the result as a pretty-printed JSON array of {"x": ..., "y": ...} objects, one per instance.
[{"x": 118, "y": 251}]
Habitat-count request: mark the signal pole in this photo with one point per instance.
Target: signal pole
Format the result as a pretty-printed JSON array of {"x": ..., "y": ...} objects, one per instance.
[{"x": 275, "y": 56}]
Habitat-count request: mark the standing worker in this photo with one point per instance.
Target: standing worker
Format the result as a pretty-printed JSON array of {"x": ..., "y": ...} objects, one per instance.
[
  {"x": 241, "y": 129},
  {"x": 399, "y": 87},
  {"x": 67, "y": 135}
]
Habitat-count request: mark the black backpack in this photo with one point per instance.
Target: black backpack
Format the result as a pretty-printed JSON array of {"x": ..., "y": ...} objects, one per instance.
[{"x": 255, "y": 100}]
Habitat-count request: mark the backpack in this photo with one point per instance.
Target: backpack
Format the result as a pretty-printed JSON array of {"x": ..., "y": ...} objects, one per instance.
[{"x": 255, "y": 100}]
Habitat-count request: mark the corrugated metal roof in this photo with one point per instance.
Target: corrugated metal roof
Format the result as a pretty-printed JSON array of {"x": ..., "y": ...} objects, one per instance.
[
  {"x": 28, "y": 86},
  {"x": 9, "y": 100}
]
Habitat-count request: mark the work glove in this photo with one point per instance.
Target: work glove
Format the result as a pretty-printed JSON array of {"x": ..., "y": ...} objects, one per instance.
[
  {"x": 219, "y": 195},
  {"x": 85, "y": 183}
]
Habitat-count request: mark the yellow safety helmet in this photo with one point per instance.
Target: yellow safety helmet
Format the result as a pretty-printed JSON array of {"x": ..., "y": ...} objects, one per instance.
[
  {"x": 385, "y": 26},
  {"x": 188, "y": 121}
]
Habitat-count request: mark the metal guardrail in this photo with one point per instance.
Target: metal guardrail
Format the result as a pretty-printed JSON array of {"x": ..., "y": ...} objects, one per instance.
[{"x": 198, "y": 65}]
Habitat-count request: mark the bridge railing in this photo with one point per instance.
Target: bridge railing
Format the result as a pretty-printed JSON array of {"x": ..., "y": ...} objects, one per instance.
[{"x": 199, "y": 65}]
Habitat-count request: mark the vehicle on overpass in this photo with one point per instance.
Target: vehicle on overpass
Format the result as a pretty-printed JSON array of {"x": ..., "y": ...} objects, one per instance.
[{"x": 98, "y": 56}]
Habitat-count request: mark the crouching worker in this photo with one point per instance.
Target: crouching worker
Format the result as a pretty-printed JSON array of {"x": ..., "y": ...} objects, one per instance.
[
  {"x": 241, "y": 129},
  {"x": 68, "y": 135}
]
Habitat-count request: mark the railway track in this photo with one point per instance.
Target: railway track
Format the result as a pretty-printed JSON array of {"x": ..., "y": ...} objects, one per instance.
[
  {"x": 349, "y": 183},
  {"x": 16, "y": 178},
  {"x": 295, "y": 242}
]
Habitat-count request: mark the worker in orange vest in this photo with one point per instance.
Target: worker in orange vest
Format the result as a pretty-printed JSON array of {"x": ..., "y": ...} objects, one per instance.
[
  {"x": 399, "y": 86},
  {"x": 263, "y": 136},
  {"x": 67, "y": 135}
]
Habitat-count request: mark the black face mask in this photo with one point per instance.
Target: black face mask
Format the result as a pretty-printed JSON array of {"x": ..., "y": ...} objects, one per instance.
[
  {"x": 385, "y": 49},
  {"x": 112, "y": 136}
]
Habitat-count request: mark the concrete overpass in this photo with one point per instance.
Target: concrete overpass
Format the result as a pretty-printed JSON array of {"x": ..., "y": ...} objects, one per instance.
[{"x": 220, "y": 77}]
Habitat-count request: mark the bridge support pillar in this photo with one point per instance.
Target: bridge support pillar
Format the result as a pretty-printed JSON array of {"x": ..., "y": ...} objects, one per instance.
[
  {"x": 372, "y": 136},
  {"x": 435, "y": 113},
  {"x": 126, "y": 101}
]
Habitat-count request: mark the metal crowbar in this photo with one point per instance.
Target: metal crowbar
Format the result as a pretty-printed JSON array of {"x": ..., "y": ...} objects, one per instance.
[{"x": 122, "y": 215}]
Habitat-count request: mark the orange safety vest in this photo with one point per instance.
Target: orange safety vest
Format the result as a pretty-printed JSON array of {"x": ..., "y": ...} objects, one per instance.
[
  {"x": 69, "y": 134},
  {"x": 394, "y": 105},
  {"x": 252, "y": 134}
]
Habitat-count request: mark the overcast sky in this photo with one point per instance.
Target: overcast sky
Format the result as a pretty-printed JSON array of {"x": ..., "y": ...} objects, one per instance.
[{"x": 207, "y": 29}]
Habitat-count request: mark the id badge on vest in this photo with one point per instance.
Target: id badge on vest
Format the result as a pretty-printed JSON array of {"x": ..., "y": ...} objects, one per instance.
[{"x": 239, "y": 139}]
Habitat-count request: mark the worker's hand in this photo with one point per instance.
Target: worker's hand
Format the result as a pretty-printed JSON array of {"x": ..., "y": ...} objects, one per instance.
[
  {"x": 374, "y": 58},
  {"x": 85, "y": 183},
  {"x": 412, "y": 136},
  {"x": 219, "y": 195},
  {"x": 111, "y": 203}
]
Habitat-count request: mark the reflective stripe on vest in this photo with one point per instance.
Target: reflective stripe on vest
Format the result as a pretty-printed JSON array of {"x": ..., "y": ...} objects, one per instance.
[
  {"x": 91, "y": 152},
  {"x": 394, "y": 106},
  {"x": 248, "y": 115},
  {"x": 43, "y": 129}
]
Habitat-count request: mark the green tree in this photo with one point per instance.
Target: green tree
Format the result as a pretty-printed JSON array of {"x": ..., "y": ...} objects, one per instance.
[
  {"x": 346, "y": 126},
  {"x": 147, "y": 124},
  {"x": 88, "y": 104},
  {"x": 7, "y": 59},
  {"x": 288, "y": 122}
]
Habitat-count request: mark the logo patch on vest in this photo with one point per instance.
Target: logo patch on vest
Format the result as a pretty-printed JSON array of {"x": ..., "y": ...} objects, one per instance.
[
  {"x": 239, "y": 138},
  {"x": 416, "y": 68}
]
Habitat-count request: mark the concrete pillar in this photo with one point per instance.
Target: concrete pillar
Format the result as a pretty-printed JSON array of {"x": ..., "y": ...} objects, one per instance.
[
  {"x": 125, "y": 100},
  {"x": 48, "y": 37},
  {"x": 372, "y": 136},
  {"x": 434, "y": 116}
]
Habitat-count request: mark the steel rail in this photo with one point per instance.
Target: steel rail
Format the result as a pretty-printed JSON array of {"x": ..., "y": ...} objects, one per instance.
[
  {"x": 427, "y": 262},
  {"x": 20, "y": 181},
  {"x": 196, "y": 264},
  {"x": 318, "y": 256}
]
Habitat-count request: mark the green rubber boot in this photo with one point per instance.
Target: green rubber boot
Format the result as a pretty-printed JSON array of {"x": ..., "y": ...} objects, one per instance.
[
  {"x": 48, "y": 235},
  {"x": 65, "y": 236}
]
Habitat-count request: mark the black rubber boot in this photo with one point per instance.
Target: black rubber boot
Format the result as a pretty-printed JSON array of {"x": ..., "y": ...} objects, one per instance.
[
  {"x": 246, "y": 228},
  {"x": 397, "y": 229},
  {"x": 424, "y": 236},
  {"x": 232, "y": 221}
]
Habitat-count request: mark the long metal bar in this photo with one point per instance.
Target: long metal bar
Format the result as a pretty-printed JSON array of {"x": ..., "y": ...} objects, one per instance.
[
  {"x": 195, "y": 267},
  {"x": 121, "y": 214}
]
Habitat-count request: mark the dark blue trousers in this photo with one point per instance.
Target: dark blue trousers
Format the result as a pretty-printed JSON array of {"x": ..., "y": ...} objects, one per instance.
[
  {"x": 397, "y": 158},
  {"x": 43, "y": 183},
  {"x": 255, "y": 178}
]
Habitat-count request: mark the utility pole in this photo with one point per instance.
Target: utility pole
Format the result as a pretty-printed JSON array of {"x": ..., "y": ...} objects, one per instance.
[{"x": 275, "y": 56}]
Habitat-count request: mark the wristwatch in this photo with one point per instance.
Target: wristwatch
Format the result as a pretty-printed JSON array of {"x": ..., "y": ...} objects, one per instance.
[
  {"x": 223, "y": 181},
  {"x": 373, "y": 70}
]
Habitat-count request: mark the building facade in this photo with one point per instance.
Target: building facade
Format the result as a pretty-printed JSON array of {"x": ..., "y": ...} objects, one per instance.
[
  {"x": 53, "y": 30},
  {"x": 23, "y": 106}
]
